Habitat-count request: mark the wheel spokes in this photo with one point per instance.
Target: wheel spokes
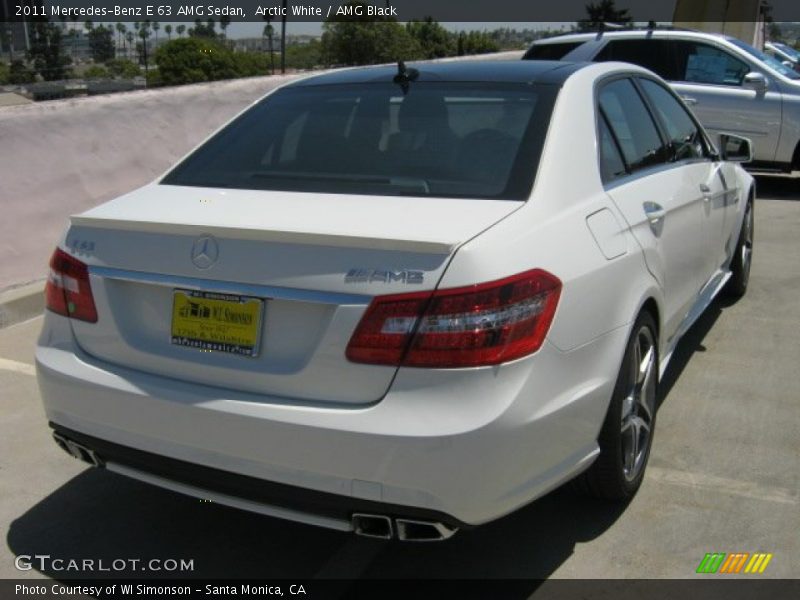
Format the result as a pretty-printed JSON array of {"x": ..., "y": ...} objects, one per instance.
[{"x": 638, "y": 406}]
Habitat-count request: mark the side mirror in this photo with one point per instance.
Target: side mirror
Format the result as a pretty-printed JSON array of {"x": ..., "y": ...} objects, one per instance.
[
  {"x": 756, "y": 81},
  {"x": 734, "y": 148}
]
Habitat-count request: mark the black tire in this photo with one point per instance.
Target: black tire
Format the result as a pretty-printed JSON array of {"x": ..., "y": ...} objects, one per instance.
[
  {"x": 618, "y": 471},
  {"x": 743, "y": 255}
]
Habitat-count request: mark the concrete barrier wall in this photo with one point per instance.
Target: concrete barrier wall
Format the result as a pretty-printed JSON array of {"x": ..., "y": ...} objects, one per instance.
[
  {"x": 63, "y": 157},
  {"x": 60, "y": 158}
]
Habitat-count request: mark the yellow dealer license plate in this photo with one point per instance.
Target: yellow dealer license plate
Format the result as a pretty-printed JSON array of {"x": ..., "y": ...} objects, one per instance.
[{"x": 218, "y": 322}]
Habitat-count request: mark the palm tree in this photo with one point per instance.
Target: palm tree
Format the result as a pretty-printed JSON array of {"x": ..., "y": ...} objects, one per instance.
[
  {"x": 156, "y": 26},
  {"x": 168, "y": 31},
  {"x": 144, "y": 33},
  {"x": 268, "y": 32},
  {"x": 224, "y": 21},
  {"x": 121, "y": 29},
  {"x": 129, "y": 37},
  {"x": 180, "y": 29}
]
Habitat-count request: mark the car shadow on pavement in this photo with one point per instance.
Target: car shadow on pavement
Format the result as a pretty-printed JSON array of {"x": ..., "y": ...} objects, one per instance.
[
  {"x": 103, "y": 516},
  {"x": 690, "y": 343}
]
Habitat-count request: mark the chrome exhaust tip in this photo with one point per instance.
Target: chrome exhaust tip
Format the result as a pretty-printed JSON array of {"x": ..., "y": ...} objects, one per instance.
[
  {"x": 409, "y": 530},
  {"x": 77, "y": 450},
  {"x": 373, "y": 526}
]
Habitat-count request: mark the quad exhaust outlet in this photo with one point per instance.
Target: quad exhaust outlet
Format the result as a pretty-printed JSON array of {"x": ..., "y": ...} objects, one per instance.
[
  {"x": 77, "y": 450},
  {"x": 406, "y": 530}
]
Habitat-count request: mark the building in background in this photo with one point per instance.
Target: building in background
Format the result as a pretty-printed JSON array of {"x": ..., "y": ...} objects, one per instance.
[
  {"x": 14, "y": 36},
  {"x": 742, "y": 19}
]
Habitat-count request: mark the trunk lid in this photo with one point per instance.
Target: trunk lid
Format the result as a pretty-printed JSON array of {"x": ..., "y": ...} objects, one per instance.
[{"x": 313, "y": 261}]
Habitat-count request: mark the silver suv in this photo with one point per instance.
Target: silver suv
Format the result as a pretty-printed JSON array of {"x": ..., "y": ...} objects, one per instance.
[{"x": 730, "y": 86}]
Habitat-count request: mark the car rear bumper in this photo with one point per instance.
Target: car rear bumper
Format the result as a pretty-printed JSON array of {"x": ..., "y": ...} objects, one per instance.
[{"x": 459, "y": 446}]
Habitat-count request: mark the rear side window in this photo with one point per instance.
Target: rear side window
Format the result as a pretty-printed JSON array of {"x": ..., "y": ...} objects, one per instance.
[
  {"x": 632, "y": 125},
  {"x": 684, "y": 136},
  {"x": 611, "y": 164},
  {"x": 471, "y": 140},
  {"x": 551, "y": 51},
  {"x": 653, "y": 54}
]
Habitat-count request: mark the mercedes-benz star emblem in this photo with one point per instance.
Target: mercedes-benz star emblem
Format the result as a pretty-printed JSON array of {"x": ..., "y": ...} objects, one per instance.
[{"x": 205, "y": 252}]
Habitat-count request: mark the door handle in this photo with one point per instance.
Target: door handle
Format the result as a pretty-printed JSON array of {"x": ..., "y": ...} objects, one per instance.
[
  {"x": 706, "y": 191},
  {"x": 654, "y": 211},
  {"x": 689, "y": 100}
]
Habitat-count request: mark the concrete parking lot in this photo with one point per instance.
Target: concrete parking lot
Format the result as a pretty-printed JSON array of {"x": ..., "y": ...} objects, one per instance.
[{"x": 724, "y": 473}]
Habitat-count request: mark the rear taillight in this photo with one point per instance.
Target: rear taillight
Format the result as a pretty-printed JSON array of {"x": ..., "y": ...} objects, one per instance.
[
  {"x": 462, "y": 327},
  {"x": 68, "y": 291}
]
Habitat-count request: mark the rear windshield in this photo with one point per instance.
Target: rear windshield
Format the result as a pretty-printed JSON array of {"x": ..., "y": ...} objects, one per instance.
[{"x": 439, "y": 139}]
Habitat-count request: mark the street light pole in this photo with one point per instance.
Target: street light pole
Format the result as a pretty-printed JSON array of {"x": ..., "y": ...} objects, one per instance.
[{"x": 283, "y": 37}]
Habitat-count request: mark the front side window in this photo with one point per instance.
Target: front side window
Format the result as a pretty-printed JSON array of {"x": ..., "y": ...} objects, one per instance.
[
  {"x": 703, "y": 63},
  {"x": 770, "y": 61},
  {"x": 685, "y": 138},
  {"x": 632, "y": 125},
  {"x": 473, "y": 140}
]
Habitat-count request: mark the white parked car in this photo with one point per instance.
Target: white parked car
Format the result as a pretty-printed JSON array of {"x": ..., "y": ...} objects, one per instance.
[{"x": 398, "y": 301}]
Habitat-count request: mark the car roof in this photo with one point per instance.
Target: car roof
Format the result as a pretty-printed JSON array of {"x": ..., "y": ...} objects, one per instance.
[
  {"x": 631, "y": 33},
  {"x": 490, "y": 71}
]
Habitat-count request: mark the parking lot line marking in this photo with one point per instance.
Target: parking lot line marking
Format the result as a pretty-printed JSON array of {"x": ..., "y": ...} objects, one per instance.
[
  {"x": 17, "y": 367},
  {"x": 745, "y": 489}
]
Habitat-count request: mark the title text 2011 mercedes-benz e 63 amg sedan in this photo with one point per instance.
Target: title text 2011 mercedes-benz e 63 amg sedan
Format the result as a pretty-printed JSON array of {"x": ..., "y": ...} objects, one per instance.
[{"x": 399, "y": 301}]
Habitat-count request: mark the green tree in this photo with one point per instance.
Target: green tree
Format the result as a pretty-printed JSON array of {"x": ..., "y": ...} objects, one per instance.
[
  {"x": 168, "y": 31},
  {"x": 46, "y": 51},
  {"x": 180, "y": 29},
  {"x": 476, "y": 42},
  {"x": 194, "y": 59},
  {"x": 602, "y": 13},
  {"x": 364, "y": 40},
  {"x": 4, "y": 73},
  {"x": 304, "y": 56},
  {"x": 18, "y": 73},
  {"x": 101, "y": 43},
  {"x": 96, "y": 72},
  {"x": 120, "y": 67},
  {"x": 434, "y": 40}
]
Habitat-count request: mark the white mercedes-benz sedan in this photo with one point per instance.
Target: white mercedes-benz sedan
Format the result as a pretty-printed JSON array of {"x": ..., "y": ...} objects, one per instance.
[{"x": 399, "y": 301}]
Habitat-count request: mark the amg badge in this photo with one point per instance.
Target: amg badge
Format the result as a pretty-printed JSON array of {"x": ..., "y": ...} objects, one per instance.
[{"x": 383, "y": 276}]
